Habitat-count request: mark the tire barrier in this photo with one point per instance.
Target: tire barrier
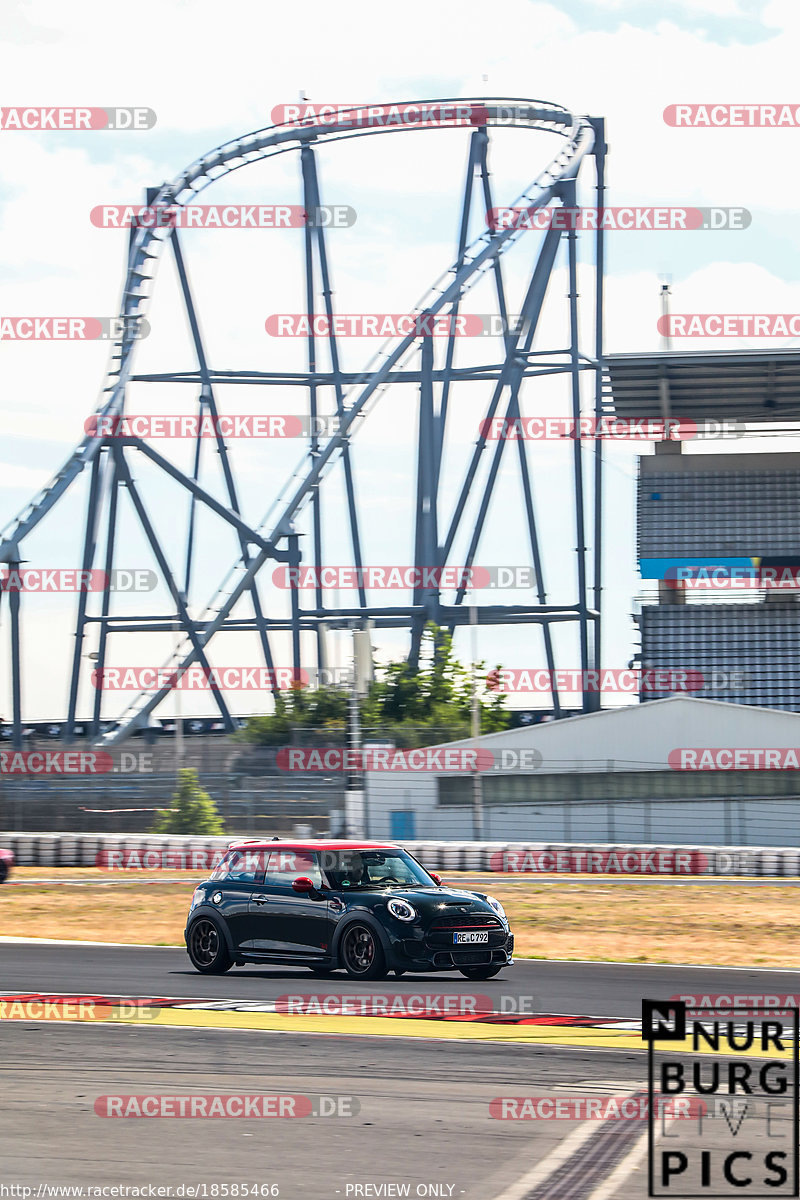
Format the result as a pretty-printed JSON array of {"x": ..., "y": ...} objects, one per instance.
[{"x": 174, "y": 853}]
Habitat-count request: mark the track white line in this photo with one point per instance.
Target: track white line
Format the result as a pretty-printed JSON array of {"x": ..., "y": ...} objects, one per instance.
[
  {"x": 623, "y": 1169},
  {"x": 587, "y": 962},
  {"x": 608, "y": 962},
  {"x": 37, "y": 941},
  {"x": 543, "y": 1170}
]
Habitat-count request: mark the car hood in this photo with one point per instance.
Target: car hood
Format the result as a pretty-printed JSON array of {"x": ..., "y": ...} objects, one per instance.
[{"x": 433, "y": 899}]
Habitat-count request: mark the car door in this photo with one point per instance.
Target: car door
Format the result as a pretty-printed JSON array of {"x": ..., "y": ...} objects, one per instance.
[
  {"x": 287, "y": 922},
  {"x": 235, "y": 880}
]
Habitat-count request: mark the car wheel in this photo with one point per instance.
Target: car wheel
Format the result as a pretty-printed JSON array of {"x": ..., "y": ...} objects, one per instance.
[
  {"x": 3, "y": 872},
  {"x": 480, "y": 972},
  {"x": 207, "y": 949},
  {"x": 362, "y": 954}
]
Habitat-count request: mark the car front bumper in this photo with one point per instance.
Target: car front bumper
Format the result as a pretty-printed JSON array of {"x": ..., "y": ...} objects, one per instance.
[{"x": 414, "y": 955}]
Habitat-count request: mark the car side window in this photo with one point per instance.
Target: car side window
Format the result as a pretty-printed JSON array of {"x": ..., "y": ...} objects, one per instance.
[
  {"x": 242, "y": 866},
  {"x": 285, "y": 866}
]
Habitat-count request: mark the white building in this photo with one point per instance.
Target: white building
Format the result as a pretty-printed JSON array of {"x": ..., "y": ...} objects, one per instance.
[{"x": 612, "y": 776}]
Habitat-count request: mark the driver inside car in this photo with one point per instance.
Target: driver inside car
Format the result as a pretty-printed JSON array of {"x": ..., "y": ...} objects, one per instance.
[{"x": 352, "y": 872}]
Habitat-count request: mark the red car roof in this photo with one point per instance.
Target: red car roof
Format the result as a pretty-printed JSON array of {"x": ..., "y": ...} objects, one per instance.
[{"x": 323, "y": 844}]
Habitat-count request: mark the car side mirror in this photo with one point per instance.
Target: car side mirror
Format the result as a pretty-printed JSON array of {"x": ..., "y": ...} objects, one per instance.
[
  {"x": 437, "y": 879},
  {"x": 304, "y": 885}
]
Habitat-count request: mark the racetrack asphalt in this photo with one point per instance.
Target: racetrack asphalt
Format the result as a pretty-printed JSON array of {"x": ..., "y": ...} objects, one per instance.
[
  {"x": 423, "y": 1119},
  {"x": 598, "y": 989}
]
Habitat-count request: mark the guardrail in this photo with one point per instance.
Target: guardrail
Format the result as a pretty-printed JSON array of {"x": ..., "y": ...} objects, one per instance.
[{"x": 173, "y": 852}]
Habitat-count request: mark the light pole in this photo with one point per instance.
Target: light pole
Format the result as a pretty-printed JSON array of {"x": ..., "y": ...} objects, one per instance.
[
  {"x": 361, "y": 674},
  {"x": 475, "y": 712},
  {"x": 178, "y": 708},
  {"x": 354, "y": 814}
]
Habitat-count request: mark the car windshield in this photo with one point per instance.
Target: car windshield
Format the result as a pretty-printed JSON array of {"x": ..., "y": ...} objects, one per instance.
[
  {"x": 349, "y": 869},
  {"x": 240, "y": 865}
]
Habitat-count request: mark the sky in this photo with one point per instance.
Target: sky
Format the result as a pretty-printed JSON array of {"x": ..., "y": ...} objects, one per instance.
[{"x": 212, "y": 73}]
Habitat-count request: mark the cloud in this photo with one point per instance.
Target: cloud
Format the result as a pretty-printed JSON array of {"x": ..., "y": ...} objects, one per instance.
[{"x": 14, "y": 476}]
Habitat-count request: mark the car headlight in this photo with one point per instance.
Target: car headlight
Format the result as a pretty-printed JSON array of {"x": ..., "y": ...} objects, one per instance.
[
  {"x": 497, "y": 906},
  {"x": 402, "y": 910},
  {"x": 196, "y": 898}
]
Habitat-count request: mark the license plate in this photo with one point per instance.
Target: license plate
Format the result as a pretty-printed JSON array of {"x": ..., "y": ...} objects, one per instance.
[{"x": 470, "y": 938}]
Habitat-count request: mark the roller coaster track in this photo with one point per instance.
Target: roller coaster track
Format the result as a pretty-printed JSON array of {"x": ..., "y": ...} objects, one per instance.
[{"x": 147, "y": 242}]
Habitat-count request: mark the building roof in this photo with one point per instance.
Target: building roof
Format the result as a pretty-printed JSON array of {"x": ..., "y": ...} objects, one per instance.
[
  {"x": 753, "y": 385},
  {"x": 636, "y": 737}
]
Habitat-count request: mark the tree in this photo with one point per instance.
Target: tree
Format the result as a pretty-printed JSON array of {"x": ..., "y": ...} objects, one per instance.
[
  {"x": 412, "y": 706},
  {"x": 192, "y": 809},
  {"x": 324, "y": 709}
]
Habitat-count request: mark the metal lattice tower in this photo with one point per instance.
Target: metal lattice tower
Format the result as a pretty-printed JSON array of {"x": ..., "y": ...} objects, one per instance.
[{"x": 405, "y": 360}]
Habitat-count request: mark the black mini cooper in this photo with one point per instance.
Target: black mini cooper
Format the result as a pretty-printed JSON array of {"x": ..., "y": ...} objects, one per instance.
[{"x": 365, "y": 907}]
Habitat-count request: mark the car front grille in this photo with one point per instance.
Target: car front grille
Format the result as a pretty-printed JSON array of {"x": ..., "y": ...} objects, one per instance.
[
  {"x": 475, "y": 920},
  {"x": 441, "y": 930}
]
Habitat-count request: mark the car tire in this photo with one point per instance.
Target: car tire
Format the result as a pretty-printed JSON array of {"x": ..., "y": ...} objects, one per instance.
[
  {"x": 3, "y": 872},
  {"x": 480, "y": 972},
  {"x": 207, "y": 948},
  {"x": 361, "y": 953}
]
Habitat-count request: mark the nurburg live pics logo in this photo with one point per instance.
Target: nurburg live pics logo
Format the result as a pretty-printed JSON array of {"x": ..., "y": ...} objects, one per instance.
[{"x": 747, "y": 1060}]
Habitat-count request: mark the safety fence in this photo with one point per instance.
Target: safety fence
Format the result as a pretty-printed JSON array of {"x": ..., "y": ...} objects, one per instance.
[{"x": 132, "y": 786}]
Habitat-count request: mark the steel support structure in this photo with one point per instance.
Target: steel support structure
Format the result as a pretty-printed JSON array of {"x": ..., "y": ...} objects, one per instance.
[
  {"x": 409, "y": 359},
  {"x": 600, "y": 150}
]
